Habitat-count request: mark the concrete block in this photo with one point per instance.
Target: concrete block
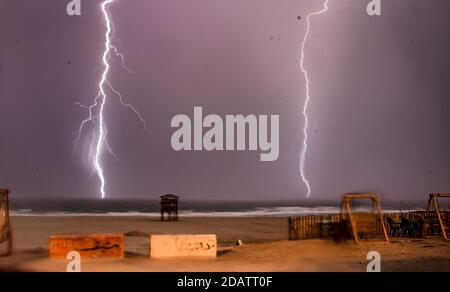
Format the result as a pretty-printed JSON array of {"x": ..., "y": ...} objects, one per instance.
[
  {"x": 89, "y": 246},
  {"x": 173, "y": 246}
]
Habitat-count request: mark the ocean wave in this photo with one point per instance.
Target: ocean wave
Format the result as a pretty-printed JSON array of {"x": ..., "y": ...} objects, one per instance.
[{"x": 256, "y": 212}]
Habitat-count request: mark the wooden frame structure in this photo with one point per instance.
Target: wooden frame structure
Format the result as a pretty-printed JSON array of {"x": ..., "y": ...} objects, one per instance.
[
  {"x": 434, "y": 203},
  {"x": 376, "y": 208},
  {"x": 5, "y": 224}
]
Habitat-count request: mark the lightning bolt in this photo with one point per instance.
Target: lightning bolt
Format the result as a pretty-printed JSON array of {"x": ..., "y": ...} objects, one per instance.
[
  {"x": 308, "y": 97},
  {"x": 96, "y": 110}
]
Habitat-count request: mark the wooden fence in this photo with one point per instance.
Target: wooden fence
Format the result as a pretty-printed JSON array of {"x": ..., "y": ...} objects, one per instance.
[
  {"x": 5, "y": 226},
  {"x": 311, "y": 227}
]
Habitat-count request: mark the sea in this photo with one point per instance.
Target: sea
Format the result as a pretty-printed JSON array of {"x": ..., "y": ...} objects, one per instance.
[{"x": 193, "y": 208}]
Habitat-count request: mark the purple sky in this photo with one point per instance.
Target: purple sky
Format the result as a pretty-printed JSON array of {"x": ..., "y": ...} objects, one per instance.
[{"x": 380, "y": 96}]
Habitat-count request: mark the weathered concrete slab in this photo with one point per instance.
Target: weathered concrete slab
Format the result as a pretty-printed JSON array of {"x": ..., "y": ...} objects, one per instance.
[
  {"x": 89, "y": 246},
  {"x": 172, "y": 246}
]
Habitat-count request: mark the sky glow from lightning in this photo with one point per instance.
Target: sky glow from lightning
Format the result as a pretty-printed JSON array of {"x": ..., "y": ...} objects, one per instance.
[
  {"x": 96, "y": 110},
  {"x": 98, "y": 118},
  {"x": 308, "y": 97}
]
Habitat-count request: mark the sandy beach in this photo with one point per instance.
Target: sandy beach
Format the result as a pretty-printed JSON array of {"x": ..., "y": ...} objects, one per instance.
[{"x": 266, "y": 247}]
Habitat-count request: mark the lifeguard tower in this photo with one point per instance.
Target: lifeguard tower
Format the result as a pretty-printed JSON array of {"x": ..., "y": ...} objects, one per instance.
[{"x": 169, "y": 205}]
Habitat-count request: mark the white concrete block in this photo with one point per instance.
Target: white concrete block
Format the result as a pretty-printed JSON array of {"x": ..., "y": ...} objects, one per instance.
[{"x": 173, "y": 246}]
